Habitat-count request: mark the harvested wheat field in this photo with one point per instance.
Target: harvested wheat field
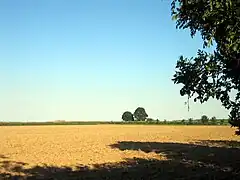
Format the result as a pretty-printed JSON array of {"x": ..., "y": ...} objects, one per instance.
[{"x": 118, "y": 152}]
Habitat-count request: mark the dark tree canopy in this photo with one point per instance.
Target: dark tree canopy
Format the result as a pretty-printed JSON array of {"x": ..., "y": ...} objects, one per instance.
[
  {"x": 149, "y": 119},
  {"x": 190, "y": 120},
  {"x": 214, "y": 120},
  {"x": 222, "y": 121},
  {"x": 127, "y": 116},
  {"x": 140, "y": 114},
  {"x": 215, "y": 74},
  {"x": 204, "y": 119}
]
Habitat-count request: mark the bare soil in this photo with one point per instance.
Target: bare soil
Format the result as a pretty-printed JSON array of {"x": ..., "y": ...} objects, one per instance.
[{"x": 24, "y": 148}]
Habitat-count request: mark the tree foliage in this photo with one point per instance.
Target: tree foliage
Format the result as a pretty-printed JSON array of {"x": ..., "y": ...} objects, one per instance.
[
  {"x": 215, "y": 74},
  {"x": 140, "y": 114},
  {"x": 213, "y": 120},
  {"x": 183, "y": 121},
  {"x": 150, "y": 119},
  {"x": 190, "y": 121},
  {"x": 221, "y": 121},
  {"x": 204, "y": 119},
  {"x": 127, "y": 116}
]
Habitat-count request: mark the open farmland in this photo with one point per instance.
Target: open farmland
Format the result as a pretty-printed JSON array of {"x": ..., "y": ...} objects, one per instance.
[{"x": 118, "y": 152}]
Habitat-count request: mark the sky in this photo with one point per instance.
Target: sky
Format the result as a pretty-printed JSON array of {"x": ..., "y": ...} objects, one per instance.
[{"x": 93, "y": 60}]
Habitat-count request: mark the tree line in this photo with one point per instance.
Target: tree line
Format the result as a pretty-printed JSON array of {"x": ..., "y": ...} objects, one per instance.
[
  {"x": 205, "y": 120},
  {"x": 140, "y": 115}
]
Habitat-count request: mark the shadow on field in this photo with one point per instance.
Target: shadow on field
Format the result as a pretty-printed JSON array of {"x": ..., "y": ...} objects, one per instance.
[
  {"x": 2, "y": 157},
  {"x": 185, "y": 161},
  {"x": 223, "y": 143}
]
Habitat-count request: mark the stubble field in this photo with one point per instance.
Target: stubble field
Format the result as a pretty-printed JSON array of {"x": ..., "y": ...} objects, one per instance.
[{"x": 118, "y": 152}]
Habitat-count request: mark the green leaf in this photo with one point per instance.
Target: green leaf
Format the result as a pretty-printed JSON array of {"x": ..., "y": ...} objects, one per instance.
[{"x": 174, "y": 17}]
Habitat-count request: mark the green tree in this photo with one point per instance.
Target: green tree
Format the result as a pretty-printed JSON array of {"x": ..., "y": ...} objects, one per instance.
[
  {"x": 127, "y": 116},
  {"x": 213, "y": 74},
  {"x": 140, "y": 114},
  {"x": 190, "y": 121},
  {"x": 222, "y": 121},
  {"x": 214, "y": 120},
  {"x": 183, "y": 121},
  {"x": 150, "y": 119},
  {"x": 204, "y": 119}
]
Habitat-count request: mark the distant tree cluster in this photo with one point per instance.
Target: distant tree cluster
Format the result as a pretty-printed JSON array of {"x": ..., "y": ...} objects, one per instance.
[
  {"x": 138, "y": 115},
  {"x": 204, "y": 120},
  {"x": 141, "y": 115}
]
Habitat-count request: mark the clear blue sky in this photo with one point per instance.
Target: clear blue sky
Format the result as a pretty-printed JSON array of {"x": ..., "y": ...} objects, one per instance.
[{"x": 92, "y": 60}]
